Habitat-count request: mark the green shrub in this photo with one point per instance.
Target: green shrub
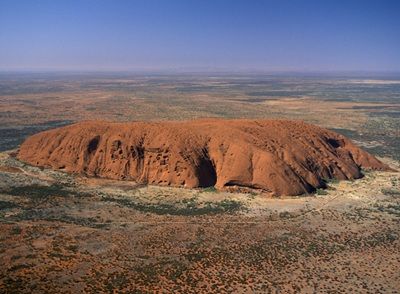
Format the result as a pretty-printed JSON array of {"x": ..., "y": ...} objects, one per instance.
[
  {"x": 210, "y": 189},
  {"x": 391, "y": 192},
  {"x": 321, "y": 192}
]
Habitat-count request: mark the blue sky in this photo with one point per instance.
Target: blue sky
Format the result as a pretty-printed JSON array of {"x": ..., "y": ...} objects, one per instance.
[{"x": 279, "y": 35}]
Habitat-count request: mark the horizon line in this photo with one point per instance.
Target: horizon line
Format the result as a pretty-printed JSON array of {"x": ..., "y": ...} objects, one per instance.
[{"x": 193, "y": 71}]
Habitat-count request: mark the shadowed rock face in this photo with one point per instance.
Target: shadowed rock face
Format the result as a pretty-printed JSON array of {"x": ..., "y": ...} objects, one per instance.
[{"x": 279, "y": 156}]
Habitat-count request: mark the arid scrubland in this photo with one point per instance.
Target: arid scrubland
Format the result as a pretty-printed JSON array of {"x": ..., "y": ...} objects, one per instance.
[{"x": 71, "y": 233}]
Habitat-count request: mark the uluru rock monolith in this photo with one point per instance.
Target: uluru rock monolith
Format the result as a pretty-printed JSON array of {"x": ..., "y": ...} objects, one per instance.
[{"x": 277, "y": 156}]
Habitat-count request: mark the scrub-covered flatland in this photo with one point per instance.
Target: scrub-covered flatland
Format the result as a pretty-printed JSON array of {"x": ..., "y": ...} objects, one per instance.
[
  {"x": 64, "y": 233},
  {"x": 70, "y": 233}
]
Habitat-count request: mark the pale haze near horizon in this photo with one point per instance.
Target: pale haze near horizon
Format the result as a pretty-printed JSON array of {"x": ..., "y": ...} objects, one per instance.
[{"x": 200, "y": 35}]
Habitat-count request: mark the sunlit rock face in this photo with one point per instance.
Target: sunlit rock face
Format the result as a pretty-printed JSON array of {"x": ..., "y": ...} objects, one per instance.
[{"x": 277, "y": 156}]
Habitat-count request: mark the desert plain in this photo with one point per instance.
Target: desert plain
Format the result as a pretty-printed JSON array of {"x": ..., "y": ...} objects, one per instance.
[{"x": 69, "y": 233}]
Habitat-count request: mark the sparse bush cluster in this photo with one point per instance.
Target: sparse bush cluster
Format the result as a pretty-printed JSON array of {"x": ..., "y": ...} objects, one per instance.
[
  {"x": 190, "y": 207},
  {"x": 210, "y": 189},
  {"x": 321, "y": 192},
  {"x": 42, "y": 192},
  {"x": 391, "y": 192}
]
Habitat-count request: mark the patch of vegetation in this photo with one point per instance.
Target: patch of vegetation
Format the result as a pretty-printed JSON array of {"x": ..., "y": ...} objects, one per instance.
[
  {"x": 286, "y": 249},
  {"x": 10, "y": 138},
  {"x": 36, "y": 214},
  {"x": 73, "y": 248},
  {"x": 15, "y": 257},
  {"x": 176, "y": 270},
  {"x": 195, "y": 256},
  {"x": 393, "y": 209},
  {"x": 190, "y": 209},
  {"x": 14, "y": 284},
  {"x": 167, "y": 268},
  {"x": 42, "y": 192},
  {"x": 331, "y": 181},
  {"x": 19, "y": 267},
  {"x": 321, "y": 192},
  {"x": 116, "y": 281},
  {"x": 391, "y": 192},
  {"x": 285, "y": 214},
  {"x": 59, "y": 255},
  {"x": 7, "y": 205},
  {"x": 16, "y": 230},
  {"x": 210, "y": 189}
]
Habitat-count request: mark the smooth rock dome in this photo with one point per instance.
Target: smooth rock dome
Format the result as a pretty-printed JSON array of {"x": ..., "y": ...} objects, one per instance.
[{"x": 277, "y": 156}]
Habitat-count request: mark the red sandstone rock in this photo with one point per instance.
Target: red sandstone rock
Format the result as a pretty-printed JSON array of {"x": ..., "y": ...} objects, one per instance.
[{"x": 283, "y": 157}]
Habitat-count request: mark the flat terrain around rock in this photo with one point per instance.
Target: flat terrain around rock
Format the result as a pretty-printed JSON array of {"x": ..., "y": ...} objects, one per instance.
[{"x": 69, "y": 233}]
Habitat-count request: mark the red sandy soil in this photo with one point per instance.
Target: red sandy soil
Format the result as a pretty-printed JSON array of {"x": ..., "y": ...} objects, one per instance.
[{"x": 277, "y": 156}]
